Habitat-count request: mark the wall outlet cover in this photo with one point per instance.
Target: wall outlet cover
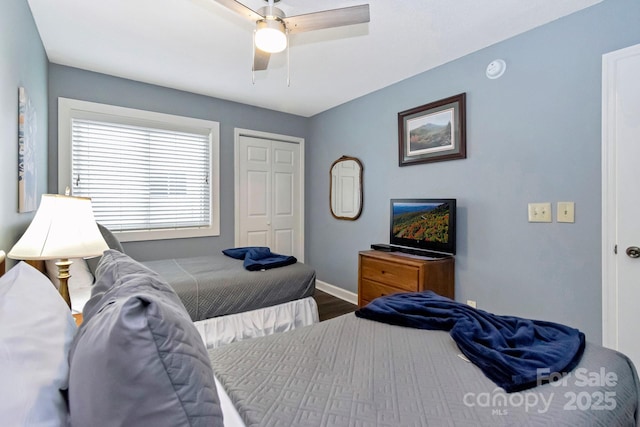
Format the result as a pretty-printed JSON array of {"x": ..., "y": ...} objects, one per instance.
[{"x": 539, "y": 212}]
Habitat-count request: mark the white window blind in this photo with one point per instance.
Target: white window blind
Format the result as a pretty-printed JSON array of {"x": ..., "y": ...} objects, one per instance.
[
  {"x": 150, "y": 175},
  {"x": 142, "y": 178}
]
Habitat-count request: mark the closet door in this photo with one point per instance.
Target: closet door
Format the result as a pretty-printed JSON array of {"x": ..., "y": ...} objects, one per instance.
[
  {"x": 269, "y": 194},
  {"x": 285, "y": 200},
  {"x": 254, "y": 192}
]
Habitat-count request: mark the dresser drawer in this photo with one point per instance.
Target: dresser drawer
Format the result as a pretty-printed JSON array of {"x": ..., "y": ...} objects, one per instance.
[
  {"x": 371, "y": 290},
  {"x": 404, "y": 277}
]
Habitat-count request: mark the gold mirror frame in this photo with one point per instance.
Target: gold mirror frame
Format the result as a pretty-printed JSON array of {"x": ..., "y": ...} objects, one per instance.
[{"x": 345, "y": 188}]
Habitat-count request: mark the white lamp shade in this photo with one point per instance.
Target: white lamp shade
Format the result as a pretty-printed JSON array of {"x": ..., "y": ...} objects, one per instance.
[
  {"x": 270, "y": 36},
  {"x": 63, "y": 227}
]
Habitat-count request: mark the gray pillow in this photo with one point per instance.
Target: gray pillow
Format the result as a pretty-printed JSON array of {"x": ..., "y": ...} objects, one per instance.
[
  {"x": 116, "y": 269},
  {"x": 112, "y": 242},
  {"x": 137, "y": 359}
]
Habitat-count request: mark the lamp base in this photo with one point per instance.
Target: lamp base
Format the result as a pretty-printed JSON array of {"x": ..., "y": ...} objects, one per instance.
[{"x": 63, "y": 276}]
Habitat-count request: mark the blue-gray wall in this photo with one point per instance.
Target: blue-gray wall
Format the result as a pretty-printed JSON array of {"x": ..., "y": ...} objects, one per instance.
[
  {"x": 88, "y": 86},
  {"x": 532, "y": 136},
  {"x": 23, "y": 62}
]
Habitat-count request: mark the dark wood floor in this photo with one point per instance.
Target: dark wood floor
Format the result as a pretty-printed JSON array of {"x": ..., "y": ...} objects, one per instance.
[{"x": 330, "y": 306}]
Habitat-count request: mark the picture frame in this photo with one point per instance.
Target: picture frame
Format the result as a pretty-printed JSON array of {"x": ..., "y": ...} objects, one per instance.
[
  {"x": 433, "y": 132},
  {"x": 27, "y": 173}
]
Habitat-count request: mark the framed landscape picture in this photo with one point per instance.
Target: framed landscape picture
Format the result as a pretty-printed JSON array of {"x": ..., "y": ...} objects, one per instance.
[{"x": 433, "y": 132}]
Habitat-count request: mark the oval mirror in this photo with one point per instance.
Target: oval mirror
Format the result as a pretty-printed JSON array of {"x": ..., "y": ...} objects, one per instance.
[{"x": 345, "y": 196}]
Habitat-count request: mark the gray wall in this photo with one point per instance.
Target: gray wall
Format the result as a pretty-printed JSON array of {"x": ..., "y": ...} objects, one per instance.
[
  {"x": 88, "y": 86},
  {"x": 23, "y": 62},
  {"x": 532, "y": 136}
]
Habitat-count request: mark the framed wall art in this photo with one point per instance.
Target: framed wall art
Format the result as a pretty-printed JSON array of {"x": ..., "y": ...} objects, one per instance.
[
  {"x": 433, "y": 132},
  {"x": 27, "y": 184}
]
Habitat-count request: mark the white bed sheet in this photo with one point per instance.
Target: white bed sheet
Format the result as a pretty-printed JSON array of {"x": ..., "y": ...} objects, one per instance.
[
  {"x": 229, "y": 412},
  {"x": 218, "y": 331}
]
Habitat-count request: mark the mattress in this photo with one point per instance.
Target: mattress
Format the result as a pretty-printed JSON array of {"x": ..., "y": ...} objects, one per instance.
[
  {"x": 212, "y": 286},
  {"x": 356, "y": 372}
]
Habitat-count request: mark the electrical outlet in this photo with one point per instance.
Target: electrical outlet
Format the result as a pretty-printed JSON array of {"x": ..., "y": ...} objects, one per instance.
[
  {"x": 471, "y": 303},
  {"x": 566, "y": 212},
  {"x": 539, "y": 212}
]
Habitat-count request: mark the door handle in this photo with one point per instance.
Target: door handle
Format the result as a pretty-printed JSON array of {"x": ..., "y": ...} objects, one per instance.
[{"x": 633, "y": 252}]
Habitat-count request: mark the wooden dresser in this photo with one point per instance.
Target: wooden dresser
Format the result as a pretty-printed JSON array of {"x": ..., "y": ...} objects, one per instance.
[{"x": 382, "y": 273}]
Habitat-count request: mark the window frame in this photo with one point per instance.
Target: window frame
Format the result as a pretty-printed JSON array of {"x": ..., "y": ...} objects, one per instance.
[{"x": 69, "y": 109}]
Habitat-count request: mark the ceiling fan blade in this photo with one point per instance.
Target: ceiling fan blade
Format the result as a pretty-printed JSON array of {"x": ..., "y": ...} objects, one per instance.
[
  {"x": 240, "y": 9},
  {"x": 260, "y": 59},
  {"x": 327, "y": 19}
]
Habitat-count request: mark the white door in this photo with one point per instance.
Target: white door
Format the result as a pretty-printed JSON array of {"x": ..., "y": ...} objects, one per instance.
[
  {"x": 269, "y": 188},
  {"x": 621, "y": 201}
]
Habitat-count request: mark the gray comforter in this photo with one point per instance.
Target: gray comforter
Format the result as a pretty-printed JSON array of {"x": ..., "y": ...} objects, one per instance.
[
  {"x": 357, "y": 372},
  {"x": 212, "y": 286}
]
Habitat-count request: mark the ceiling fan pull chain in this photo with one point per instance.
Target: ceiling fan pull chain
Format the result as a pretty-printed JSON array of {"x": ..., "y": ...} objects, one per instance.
[{"x": 253, "y": 59}]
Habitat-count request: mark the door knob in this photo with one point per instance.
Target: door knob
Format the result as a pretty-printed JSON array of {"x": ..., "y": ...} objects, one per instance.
[{"x": 633, "y": 251}]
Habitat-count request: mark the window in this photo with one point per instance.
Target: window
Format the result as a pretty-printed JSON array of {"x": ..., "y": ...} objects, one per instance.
[{"x": 149, "y": 175}]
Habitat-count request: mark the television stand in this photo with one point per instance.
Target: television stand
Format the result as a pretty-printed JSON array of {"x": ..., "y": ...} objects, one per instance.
[{"x": 383, "y": 273}]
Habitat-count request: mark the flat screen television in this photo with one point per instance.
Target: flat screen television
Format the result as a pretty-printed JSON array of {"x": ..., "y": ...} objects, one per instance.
[{"x": 426, "y": 224}]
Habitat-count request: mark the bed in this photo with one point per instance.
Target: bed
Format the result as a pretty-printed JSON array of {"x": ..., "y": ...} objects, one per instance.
[
  {"x": 357, "y": 372},
  {"x": 138, "y": 360},
  {"x": 227, "y": 302}
]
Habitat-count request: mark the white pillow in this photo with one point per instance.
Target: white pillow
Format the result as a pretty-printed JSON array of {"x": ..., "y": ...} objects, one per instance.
[
  {"x": 35, "y": 335},
  {"x": 79, "y": 283},
  {"x": 80, "y": 278}
]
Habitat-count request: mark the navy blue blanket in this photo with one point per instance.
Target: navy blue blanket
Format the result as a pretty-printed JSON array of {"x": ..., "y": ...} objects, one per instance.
[
  {"x": 510, "y": 351},
  {"x": 259, "y": 257}
]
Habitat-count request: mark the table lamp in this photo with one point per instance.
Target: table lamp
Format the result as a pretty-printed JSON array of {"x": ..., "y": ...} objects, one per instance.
[{"x": 63, "y": 227}]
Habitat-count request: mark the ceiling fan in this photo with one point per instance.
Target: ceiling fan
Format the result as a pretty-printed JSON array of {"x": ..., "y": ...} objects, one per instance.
[{"x": 273, "y": 26}]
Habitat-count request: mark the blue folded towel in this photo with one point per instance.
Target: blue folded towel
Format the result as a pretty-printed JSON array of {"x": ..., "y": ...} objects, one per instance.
[
  {"x": 259, "y": 257},
  {"x": 509, "y": 350}
]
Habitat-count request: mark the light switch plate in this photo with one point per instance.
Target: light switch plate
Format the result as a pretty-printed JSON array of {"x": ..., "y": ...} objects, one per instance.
[
  {"x": 540, "y": 212},
  {"x": 566, "y": 212}
]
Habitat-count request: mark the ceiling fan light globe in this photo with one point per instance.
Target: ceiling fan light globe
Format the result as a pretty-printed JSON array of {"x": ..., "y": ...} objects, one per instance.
[{"x": 270, "y": 36}]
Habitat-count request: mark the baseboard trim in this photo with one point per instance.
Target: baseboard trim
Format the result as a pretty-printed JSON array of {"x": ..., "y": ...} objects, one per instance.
[{"x": 337, "y": 292}]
